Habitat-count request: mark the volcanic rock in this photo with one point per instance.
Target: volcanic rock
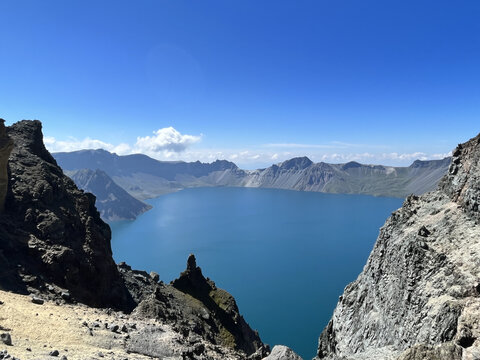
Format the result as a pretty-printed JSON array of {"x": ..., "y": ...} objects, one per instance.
[{"x": 6, "y": 339}]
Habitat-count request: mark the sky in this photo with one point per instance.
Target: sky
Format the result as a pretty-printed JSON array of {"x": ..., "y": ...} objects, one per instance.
[{"x": 254, "y": 82}]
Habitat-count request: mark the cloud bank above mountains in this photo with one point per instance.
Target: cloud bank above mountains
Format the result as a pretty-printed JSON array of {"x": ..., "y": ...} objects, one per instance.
[
  {"x": 165, "y": 143},
  {"x": 169, "y": 144}
]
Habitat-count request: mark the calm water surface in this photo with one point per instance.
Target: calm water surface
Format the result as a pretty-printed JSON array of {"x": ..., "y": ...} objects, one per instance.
[{"x": 286, "y": 256}]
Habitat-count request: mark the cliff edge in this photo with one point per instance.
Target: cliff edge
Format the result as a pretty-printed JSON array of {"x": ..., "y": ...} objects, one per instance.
[{"x": 418, "y": 296}]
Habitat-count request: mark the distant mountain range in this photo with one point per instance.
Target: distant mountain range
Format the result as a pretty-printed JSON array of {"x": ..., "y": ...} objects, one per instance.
[{"x": 143, "y": 177}]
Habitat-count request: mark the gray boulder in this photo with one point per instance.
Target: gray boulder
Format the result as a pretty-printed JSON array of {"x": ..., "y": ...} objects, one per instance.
[
  {"x": 6, "y": 339},
  {"x": 281, "y": 352}
]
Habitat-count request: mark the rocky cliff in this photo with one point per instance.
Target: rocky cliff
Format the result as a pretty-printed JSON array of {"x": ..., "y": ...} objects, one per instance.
[
  {"x": 418, "y": 296},
  {"x": 51, "y": 233}
]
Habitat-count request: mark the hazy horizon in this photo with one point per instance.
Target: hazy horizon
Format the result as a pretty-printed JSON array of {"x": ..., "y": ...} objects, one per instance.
[{"x": 273, "y": 163}]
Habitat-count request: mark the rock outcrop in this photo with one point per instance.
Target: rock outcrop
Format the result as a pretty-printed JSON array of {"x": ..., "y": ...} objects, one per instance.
[
  {"x": 6, "y": 146},
  {"x": 195, "y": 307},
  {"x": 52, "y": 237},
  {"x": 281, "y": 352},
  {"x": 418, "y": 296}
]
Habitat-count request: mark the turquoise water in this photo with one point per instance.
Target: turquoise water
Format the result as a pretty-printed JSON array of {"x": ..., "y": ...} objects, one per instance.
[{"x": 286, "y": 256}]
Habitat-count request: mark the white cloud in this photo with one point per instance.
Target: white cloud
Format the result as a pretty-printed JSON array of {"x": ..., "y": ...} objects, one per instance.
[
  {"x": 166, "y": 139},
  {"x": 73, "y": 144},
  {"x": 165, "y": 143}
]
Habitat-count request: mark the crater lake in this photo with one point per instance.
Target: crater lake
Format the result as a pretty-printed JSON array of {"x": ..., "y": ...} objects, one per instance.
[{"x": 285, "y": 256}]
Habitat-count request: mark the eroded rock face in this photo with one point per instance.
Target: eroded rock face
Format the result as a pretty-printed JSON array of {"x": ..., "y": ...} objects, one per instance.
[
  {"x": 418, "y": 296},
  {"x": 6, "y": 146},
  {"x": 51, "y": 233}
]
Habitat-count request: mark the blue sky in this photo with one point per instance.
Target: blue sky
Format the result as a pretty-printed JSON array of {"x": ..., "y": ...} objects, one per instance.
[{"x": 255, "y": 82}]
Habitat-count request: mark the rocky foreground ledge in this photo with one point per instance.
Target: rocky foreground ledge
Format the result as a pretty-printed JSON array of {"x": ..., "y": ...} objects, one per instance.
[
  {"x": 62, "y": 294},
  {"x": 32, "y": 328}
]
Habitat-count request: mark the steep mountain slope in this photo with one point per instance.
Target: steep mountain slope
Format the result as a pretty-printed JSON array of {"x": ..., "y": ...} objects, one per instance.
[
  {"x": 113, "y": 202},
  {"x": 144, "y": 177},
  {"x": 418, "y": 296}
]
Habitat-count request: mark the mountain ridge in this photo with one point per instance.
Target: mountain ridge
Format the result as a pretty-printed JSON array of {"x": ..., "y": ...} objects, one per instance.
[{"x": 150, "y": 178}]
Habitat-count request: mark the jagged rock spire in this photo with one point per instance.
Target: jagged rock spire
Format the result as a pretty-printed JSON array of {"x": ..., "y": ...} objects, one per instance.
[
  {"x": 191, "y": 263},
  {"x": 192, "y": 277}
]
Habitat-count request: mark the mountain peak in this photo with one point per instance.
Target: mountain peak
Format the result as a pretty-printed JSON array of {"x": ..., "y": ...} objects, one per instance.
[
  {"x": 223, "y": 165},
  {"x": 351, "y": 165},
  {"x": 28, "y": 135},
  {"x": 297, "y": 163}
]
